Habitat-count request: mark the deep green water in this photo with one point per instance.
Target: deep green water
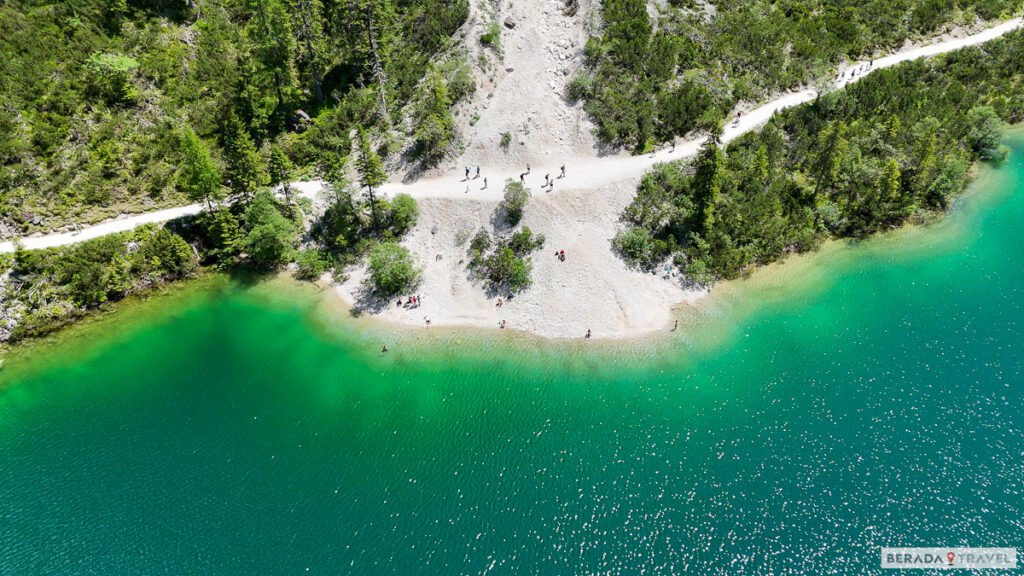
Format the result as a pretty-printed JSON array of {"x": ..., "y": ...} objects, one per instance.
[{"x": 869, "y": 395}]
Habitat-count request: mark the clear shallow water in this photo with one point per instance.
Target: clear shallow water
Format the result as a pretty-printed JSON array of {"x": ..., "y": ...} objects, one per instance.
[{"x": 867, "y": 396}]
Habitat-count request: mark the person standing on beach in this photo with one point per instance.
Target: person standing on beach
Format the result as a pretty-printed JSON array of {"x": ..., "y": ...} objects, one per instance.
[
  {"x": 562, "y": 175},
  {"x": 485, "y": 183},
  {"x": 477, "y": 170},
  {"x": 467, "y": 172}
]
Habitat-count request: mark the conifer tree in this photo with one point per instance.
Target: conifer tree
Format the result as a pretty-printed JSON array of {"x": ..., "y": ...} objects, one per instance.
[{"x": 371, "y": 172}]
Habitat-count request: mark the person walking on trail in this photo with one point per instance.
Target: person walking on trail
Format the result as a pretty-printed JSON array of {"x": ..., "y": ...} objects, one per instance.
[{"x": 562, "y": 175}]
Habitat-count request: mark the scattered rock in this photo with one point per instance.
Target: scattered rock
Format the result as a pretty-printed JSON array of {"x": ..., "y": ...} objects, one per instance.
[{"x": 510, "y": 23}]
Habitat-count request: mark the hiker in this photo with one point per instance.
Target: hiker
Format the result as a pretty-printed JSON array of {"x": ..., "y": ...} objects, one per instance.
[
  {"x": 527, "y": 167},
  {"x": 485, "y": 183},
  {"x": 547, "y": 177},
  {"x": 522, "y": 178},
  {"x": 467, "y": 172},
  {"x": 477, "y": 170},
  {"x": 562, "y": 175}
]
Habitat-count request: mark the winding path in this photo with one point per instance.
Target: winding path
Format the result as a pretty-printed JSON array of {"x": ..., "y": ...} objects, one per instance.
[{"x": 582, "y": 172}]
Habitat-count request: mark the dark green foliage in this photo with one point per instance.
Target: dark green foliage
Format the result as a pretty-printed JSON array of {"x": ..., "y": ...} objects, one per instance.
[
  {"x": 245, "y": 171},
  {"x": 516, "y": 197},
  {"x": 505, "y": 264},
  {"x": 55, "y": 285},
  {"x": 268, "y": 237},
  {"x": 648, "y": 82},
  {"x": 392, "y": 270},
  {"x": 435, "y": 128},
  {"x": 94, "y": 94},
  {"x": 854, "y": 162}
]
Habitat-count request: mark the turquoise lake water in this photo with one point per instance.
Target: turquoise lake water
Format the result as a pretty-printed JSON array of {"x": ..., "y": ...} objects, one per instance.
[{"x": 868, "y": 395}]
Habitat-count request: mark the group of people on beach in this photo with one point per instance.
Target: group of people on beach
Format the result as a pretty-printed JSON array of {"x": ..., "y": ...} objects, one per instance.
[{"x": 410, "y": 302}]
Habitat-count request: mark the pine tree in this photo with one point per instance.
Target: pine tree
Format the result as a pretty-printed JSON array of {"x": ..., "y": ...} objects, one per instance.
[
  {"x": 309, "y": 32},
  {"x": 245, "y": 171},
  {"x": 707, "y": 184},
  {"x": 198, "y": 177},
  {"x": 273, "y": 45},
  {"x": 281, "y": 171},
  {"x": 371, "y": 172}
]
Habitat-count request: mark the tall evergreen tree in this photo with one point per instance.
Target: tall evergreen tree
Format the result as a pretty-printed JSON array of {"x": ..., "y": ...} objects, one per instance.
[
  {"x": 707, "y": 183},
  {"x": 371, "y": 172},
  {"x": 198, "y": 177},
  {"x": 273, "y": 44},
  {"x": 309, "y": 32},
  {"x": 245, "y": 171}
]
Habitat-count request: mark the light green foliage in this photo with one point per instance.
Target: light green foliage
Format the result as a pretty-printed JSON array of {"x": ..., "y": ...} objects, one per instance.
[
  {"x": 986, "y": 133},
  {"x": 515, "y": 199},
  {"x": 199, "y": 178},
  {"x": 402, "y": 214},
  {"x": 312, "y": 263},
  {"x": 491, "y": 36},
  {"x": 637, "y": 246},
  {"x": 111, "y": 75},
  {"x": 392, "y": 270}
]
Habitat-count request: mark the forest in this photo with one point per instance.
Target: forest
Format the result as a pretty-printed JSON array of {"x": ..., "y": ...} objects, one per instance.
[
  {"x": 648, "y": 79},
  {"x": 894, "y": 147},
  {"x": 104, "y": 101}
]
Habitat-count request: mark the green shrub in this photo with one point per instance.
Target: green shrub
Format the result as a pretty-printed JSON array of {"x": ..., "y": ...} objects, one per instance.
[
  {"x": 516, "y": 197},
  {"x": 312, "y": 264},
  {"x": 637, "y": 247},
  {"x": 580, "y": 87},
  {"x": 402, "y": 214},
  {"x": 392, "y": 270},
  {"x": 492, "y": 36}
]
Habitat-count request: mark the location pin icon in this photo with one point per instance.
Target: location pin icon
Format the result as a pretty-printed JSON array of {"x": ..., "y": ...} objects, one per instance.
[{"x": 950, "y": 557}]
